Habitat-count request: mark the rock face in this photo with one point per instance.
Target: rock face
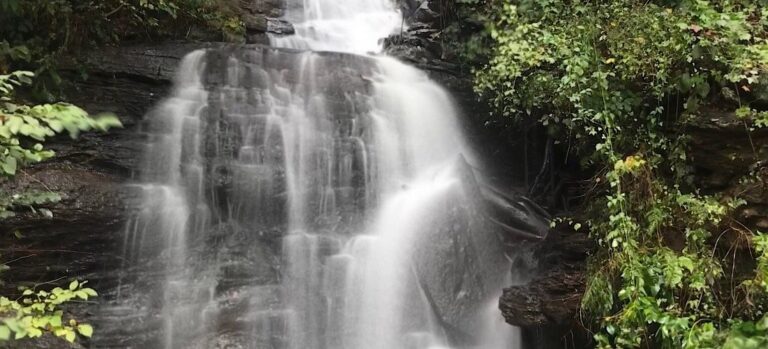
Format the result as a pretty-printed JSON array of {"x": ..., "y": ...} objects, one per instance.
[
  {"x": 262, "y": 18},
  {"x": 724, "y": 154},
  {"x": 90, "y": 171},
  {"x": 232, "y": 158},
  {"x": 730, "y": 158},
  {"x": 546, "y": 304},
  {"x": 420, "y": 43},
  {"x": 85, "y": 237},
  {"x": 81, "y": 240}
]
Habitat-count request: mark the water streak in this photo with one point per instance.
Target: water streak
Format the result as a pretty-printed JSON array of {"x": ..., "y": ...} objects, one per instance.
[
  {"x": 340, "y": 26},
  {"x": 313, "y": 201}
]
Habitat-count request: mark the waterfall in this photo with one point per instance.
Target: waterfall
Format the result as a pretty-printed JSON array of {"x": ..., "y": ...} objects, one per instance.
[
  {"x": 313, "y": 199},
  {"x": 340, "y": 26}
]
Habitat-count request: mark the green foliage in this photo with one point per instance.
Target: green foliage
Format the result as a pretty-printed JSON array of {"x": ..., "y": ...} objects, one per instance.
[
  {"x": 37, "y": 312},
  {"x": 36, "y": 34},
  {"x": 24, "y": 128},
  {"x": 618, "y": 81},
  {"x": 758, "y": 119}
]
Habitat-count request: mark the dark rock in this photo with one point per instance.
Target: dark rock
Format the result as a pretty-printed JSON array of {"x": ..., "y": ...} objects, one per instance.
[
  {"x": 729, "y": 158},
  {"x": 258, "y": 31},
  {"x": 256, "y": 23},
  {"x": 411, "y": 49},
  {"x": 280, "y": 27},
  {"x": 262, "y": 19},
  {"x": 546, "y": 305},
  {"x": 426, "y": 13},
  {"x": 553, "y": 296},
  {"x": 77, "y": 240},
  {"x": 724, "y": 149},
  {"x": 408, "y": 6},
  {"x": 47, "y": 341},
  {"x": 466, "y": 253},
  {"x": 261, "y": 24},
  {"x": 518, "y": 217},
  {"x": 89, "y": 173},
  {"x": 270, "y": 8}
]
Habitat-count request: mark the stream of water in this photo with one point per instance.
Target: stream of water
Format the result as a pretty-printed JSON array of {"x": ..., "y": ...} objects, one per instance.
[{"x": 380, "y": 244}]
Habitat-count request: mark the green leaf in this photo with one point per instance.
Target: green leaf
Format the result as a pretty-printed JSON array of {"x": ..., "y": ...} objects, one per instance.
[
  {"x": 9, "y": 165},
  {"x": 73, "y": 285},
  {"x": 85, "y": 330},
  {"x": 56, "y": 125},
  {"x": 5, "y": 333},
  {"x": 56, "y": 320},
  {"x": 686, "y": 263},
  {"x": 107, "y": 121},
  {"x": 70, "y": 336}
]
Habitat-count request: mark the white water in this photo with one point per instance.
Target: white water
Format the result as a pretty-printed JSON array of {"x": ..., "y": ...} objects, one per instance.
[
  {"x": 340, "y": 26},
  {"x": 380, "y": 234},
  {"x": 371, "y": 293},
  {"x": 174, "y": 211}
]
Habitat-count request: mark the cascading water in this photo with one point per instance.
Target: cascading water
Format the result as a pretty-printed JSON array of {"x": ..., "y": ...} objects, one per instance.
[
  {"x": 340, "y": 26},
  {"x": 308, "y": 200}
]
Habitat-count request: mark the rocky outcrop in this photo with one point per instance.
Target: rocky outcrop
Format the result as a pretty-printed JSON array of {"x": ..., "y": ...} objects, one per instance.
[
  {"x": 546, "y": 304},
  {"x": 421, "y": 42},
  {"x": 262, "y": 18},
  {"x": 552, "y": 297},
  {"x": 730, "y": 156},
  {"x": 89, "y": 173}
]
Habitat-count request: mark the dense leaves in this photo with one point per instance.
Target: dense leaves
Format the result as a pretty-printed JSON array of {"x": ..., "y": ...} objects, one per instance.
[
  {"x": 618, "y": 81},
  {"x": 36, "y": 34},
  {"x": 37, "y": 312}
]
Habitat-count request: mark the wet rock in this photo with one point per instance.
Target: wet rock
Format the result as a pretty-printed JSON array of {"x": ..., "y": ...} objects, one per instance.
[
  {"x": 262, "y": 19},
  {"x": 553, "y": 295},
  {"x": 84, "y": 238},
  {"x": 518, "y": 217},
  {"x": 426, "y": 13},
  {"x": 76, "y": 240},
  {"x": 729, "y": 158},
  {"x": 270, "y": 8},
  {"x": 546, "y": 303},
  {"x": 280, "y": 27},
  {"x": 261, "y": 24},
  {"x": 467, "y": 252},
  {"x": 724, "y": 149},
  {"x": 47, "y": 341}
]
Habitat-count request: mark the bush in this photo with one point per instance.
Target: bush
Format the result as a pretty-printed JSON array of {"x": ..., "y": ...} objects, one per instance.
[{"x": 618, "y": 81}]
